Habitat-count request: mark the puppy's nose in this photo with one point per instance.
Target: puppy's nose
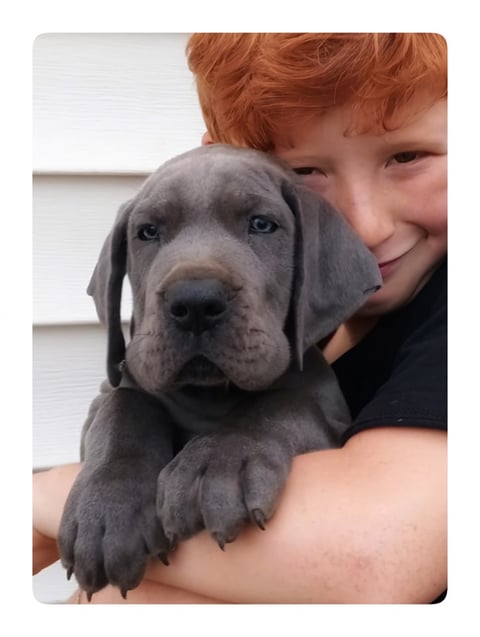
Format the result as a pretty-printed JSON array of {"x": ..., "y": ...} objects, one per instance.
[{"x": 196, "y": 305}]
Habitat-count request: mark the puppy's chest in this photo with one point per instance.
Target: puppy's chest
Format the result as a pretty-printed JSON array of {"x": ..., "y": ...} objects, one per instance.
[{"x": 199, "y": 411}]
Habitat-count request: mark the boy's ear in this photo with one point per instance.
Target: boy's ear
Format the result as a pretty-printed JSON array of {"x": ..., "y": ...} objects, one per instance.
[
  {"x": 106, "y": 288},
  {"x": 207, "y": 139},
  {"x": 334, "y": 271}
]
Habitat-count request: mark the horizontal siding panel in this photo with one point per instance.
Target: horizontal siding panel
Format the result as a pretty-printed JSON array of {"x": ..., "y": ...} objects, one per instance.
[
  {"x": 115, "y": 103},
  {"x": 68, "y": 368},
  {"x": 108, "y": 110},
  {"x": 71, "y": 218}
]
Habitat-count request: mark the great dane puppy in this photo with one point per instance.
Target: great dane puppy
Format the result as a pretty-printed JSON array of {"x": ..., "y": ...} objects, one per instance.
[{"x": 237, "y": 271}]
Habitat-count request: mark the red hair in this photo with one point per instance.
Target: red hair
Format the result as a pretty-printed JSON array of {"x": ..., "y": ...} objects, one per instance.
[{"x": 253, "y": 86}]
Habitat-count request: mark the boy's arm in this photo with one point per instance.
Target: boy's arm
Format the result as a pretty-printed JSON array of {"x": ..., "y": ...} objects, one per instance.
[
  {"x": 49, "y": 492},
  {"x": 362, "y": 524}
]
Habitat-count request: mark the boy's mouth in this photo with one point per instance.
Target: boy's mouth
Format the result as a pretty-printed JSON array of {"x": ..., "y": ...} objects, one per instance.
[{"x": 387, "y": 266}]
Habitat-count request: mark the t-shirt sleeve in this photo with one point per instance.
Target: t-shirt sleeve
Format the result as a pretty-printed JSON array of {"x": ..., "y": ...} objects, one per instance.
[{"x": 415, "y": 394}]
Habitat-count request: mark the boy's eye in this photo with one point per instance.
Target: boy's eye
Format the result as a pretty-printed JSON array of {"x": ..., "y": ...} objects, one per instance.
[
  {"x": 404, "y": 158},
  {"x": 307, "y": 170}
]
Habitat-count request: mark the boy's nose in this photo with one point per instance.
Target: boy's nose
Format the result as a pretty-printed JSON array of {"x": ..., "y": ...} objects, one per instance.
[{"x": 369, "y": 215}]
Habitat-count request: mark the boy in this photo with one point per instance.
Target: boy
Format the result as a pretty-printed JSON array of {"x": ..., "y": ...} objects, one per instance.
[{"x": 362, "y": 117}]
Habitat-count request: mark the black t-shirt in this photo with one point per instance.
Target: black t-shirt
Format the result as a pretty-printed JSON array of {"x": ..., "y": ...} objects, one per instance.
[{"x": 397, "y": 375}]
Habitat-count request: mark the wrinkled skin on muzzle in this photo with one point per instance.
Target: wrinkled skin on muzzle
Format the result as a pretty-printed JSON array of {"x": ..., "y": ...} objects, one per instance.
[{"x": 247, "y": 345}]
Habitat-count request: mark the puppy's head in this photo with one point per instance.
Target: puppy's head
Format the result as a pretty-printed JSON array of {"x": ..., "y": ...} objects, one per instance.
[{"x": 234, "y": 269}]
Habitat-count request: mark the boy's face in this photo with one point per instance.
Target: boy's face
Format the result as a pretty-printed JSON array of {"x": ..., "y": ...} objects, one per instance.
[{"x": 391, "y": 188}]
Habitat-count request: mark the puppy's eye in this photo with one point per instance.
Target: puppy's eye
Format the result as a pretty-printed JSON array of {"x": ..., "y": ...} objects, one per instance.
[
  {"x": 148, "y": 232},
  {"x": 261, "y": 225}
]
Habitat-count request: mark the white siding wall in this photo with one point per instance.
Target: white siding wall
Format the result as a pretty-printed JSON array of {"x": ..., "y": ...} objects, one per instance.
[{"x": 108, "y": 109}]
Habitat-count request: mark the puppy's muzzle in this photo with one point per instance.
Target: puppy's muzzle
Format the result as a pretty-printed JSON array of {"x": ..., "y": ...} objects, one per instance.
[{"x": 197, "y": 305}]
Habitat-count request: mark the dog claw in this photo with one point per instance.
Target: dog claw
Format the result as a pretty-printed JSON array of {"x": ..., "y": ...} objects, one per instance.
[
  {"x": 69, "y": 572},
  {"x": 124, "y": 592},
  {"x": 172, "y": 541},
  {"x": 89, "y": 596},
  {"x": 259, "y": 518},
  {"x": 219, "y": 540},
  {"x": 164, "y": 559}
]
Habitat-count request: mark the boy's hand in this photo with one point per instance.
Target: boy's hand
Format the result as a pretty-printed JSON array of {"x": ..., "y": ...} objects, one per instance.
[
  {"x": 49, "y": 492},
  {"x": 44, "y": 551}
]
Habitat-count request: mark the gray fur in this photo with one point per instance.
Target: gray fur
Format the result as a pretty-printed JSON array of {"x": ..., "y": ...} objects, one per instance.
[{"x": 220, "y": 385}]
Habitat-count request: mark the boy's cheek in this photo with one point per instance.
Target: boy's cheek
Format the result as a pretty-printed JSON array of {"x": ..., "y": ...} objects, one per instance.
[
  {"x": 428, "y": 204},
  {"x": 432, "y": 214}
]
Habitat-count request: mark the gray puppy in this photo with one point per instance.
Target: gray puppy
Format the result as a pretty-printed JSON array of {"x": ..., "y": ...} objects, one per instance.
[{"x": 237, "y": 271}]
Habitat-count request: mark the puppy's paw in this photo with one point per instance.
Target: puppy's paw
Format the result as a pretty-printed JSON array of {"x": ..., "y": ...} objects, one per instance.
[
  {"x": 109, "y": 528},
  {"x": 221, "y": 482}
]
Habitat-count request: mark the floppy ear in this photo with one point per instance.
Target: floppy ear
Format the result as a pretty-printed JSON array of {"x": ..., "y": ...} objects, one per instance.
[
  {"x": 106, "y": 288},
  {"x": 334, "y": 271}
]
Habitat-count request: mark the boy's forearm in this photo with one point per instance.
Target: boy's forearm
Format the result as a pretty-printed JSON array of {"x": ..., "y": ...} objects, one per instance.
[
  {"x": 49, "y": 491},
  {"x": 366, "y": 524}
]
